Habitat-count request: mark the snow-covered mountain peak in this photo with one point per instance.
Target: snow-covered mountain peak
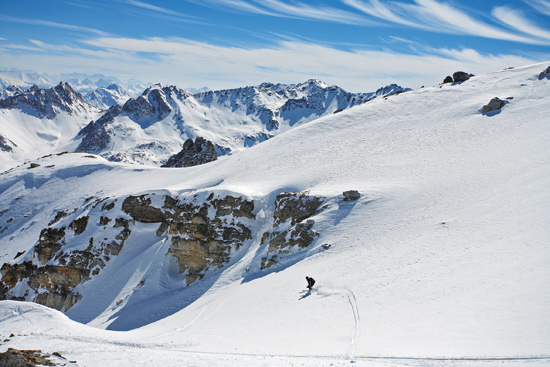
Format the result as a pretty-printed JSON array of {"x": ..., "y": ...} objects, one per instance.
[
  {"x": 312, "y": 83},
  {"x": 48, "y": 103}
]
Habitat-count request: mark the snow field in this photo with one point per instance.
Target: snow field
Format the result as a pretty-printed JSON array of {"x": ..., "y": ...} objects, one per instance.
[{"x": 445, "y": 255}]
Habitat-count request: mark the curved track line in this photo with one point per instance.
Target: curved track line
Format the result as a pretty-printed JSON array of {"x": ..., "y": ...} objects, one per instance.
[{"x": 350, "y": 351}]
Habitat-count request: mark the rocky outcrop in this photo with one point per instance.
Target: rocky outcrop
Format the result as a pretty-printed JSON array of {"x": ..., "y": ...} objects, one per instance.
[
  {"x": 545, "y": 74},
  {"x": 295, "y": 206},
  {"x": 202, "y": 232},
  {"x": 494, "y": 105},
  {"x": 461, "y": 76},
  {"x": 6, "y": 145},
  {"x": 204, "y": 239},
  {"x": 25, "y": 358},
  {"x": 48, "y": 103},
  {"x": 292, "y": 211},
  {"x": 52, "y": 271},
  {"x": 448, "y": 79},
  {"x": 152, "y": 103},
  {"x": 139, "y": 208},
  {"x": 97, "y": 135},
  {"x": 193, "y": 153},
  {"x": 351, "y": 195}
]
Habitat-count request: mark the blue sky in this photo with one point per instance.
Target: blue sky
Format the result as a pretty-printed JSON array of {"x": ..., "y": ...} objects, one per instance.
[{"x": 359, "y": 45}]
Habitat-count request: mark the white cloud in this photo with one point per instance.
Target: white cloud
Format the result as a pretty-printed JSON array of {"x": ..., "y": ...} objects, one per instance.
[
  {"x": 195, "y": 64},
  {"x": 438, "y": 17},
  {"x": 383, "y": 11},
  {"x": 48, "y": 23},
  {"x": 516, "y": 20},
  {"x": 294, "y": 9},
  {"x": 542, "y": 6}
]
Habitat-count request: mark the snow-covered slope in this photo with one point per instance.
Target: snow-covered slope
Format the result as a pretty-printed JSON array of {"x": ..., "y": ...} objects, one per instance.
[
  {"x": 105, "y": 97},
  {"x": 37, "y": 122},
  {"x": 444, "y": 255}
]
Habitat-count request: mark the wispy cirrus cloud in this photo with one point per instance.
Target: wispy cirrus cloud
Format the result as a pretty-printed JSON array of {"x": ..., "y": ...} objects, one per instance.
[
  {"x": 441, "y": 17},
  {"x": 517, "y": 20},
  {"x": 542, "y": 6},
  {"x": 293, "y": 9},
  {"x": 159, "y": 11},
  {"x": 47, "y": 23}
]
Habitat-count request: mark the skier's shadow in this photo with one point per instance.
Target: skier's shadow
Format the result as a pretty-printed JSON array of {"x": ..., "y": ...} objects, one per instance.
[{"x": 307, "y": 294}]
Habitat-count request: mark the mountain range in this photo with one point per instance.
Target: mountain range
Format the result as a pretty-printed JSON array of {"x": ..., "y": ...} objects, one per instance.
[
  {"x": 154, "y": 126},
  {"x": 422, "y": 216}
]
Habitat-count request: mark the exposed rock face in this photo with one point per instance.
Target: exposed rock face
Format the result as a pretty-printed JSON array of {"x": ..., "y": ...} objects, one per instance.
[
  {"x": 292, "y": 210},
  {"x": 461, "y": 76},
  {"x": 97, "y": 135},
  {"x": 201, "y": 241},
  {"x": 295, "y": 206},
  {"x": 25, "y": 358},
  {"x": 351, "y": 195},
  {"x": 152, "y": 103},
  {"x": 545, "y": 74},
  {"x": 494, "y": 105},
  {"x": 79, "y": 225},
  {"x": 6, "y": 145},
  {"x": 448, "y": 79},
  {"x": 202, "y": 234},
  {"x": 139, "y": 207},
  {"x": 50, "y": 273},
  {"x": 48, "y": 103},
  {"x": 51, "y": 240},
  {"x": 193, "y": 153}
]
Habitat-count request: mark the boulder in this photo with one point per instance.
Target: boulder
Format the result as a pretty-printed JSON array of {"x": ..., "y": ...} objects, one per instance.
[
  {"x": 461, "y": 76},
  {"x": 448, "y": 79},
  {"x": 351, "y": 195},
  {"x": 545, "y": 74},
  {"x": 494, "y": 105}
]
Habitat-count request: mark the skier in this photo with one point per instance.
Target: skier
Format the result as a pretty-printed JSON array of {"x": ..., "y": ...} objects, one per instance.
[{"x": 310, "y": 282}]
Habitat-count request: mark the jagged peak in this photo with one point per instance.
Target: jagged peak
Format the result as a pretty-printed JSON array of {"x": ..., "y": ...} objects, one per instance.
[
  {"x": 47, "y": 103},
  {"x": 166, "y": 90},
  {"x": 275, "y": 87},
  {"x": 391, "y": 89},
  {"x": 313, "y": 83}
]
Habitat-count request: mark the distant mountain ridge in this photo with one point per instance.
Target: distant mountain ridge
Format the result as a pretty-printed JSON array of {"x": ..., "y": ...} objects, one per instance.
[
  {"x": 151, "y": 128},
  {"x": 47, "y": 103},
  {"x": 82, "y": 83},
  {"x": 162, "y": 118}
]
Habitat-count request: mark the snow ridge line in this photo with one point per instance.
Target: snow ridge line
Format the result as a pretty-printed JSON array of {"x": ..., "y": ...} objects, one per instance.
[{"x": 350, "y": 351}]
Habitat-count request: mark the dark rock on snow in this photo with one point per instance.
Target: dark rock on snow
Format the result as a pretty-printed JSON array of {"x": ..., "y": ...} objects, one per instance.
[
  {"x": 351, "y": 195},
  {"x": 193, "y": 153},
  {"x": 545, "y": 74},
  {"x": 494, "y": 105},
  {"x": 461, "y": 76}
]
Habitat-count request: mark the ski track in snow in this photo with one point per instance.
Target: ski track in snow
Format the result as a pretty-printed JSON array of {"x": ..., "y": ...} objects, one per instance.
[{"x": 350, "y": 351}]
